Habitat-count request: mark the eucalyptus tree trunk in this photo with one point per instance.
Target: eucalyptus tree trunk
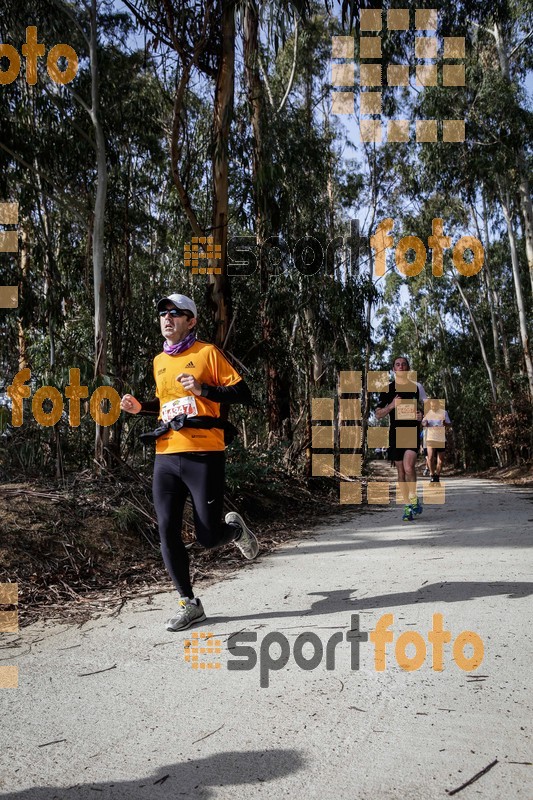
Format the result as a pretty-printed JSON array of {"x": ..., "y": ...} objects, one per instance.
[
  {"x": 100, "y": 321},
  {"x": 49, "y": 264},
  {"x": 368, "y": 325},
  {"x": 256, "y": 111},
  {"x": 24, "y": 271},
  {"x": 487, "y": 280},
  {"x": 524, "y": 191},
  {"x": 522, "y": 321},
  {"x": 277, "y": 387},
  {"x": 479, "y": 337},
  {"x": 494, "y": 299},
  {"x": 309, "y": 314},
  {"x": 527, "y": 211},
  {"x": 222, "y": 115}
]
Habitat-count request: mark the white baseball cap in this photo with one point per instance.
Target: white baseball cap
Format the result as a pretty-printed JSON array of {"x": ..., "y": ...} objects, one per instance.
[{"x": 180, "y": 301}]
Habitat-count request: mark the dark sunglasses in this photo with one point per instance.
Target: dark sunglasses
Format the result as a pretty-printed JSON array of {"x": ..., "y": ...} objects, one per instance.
[{"x": 174, "y": 312}]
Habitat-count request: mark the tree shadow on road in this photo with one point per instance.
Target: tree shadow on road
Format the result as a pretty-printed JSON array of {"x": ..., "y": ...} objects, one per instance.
[
  {"x": 190, "y": 779},
  {"x": 339, "y": 600},
  {"x": 439, "y": 527}
]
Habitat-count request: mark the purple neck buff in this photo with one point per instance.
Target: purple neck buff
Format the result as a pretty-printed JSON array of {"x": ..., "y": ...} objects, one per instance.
[{"x": 179, "y": 347}]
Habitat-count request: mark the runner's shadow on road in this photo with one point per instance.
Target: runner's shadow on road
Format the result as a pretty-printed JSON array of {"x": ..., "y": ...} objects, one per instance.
[
  {"x": 339, "y": 600},
  {"x": 444, "y": 592},
  {"x": 191, "y": 779}
]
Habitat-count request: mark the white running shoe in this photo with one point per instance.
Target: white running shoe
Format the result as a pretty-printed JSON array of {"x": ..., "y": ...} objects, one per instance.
[
  {"x": 247, "y": 542},
  {"x": 187, "y": 614}
]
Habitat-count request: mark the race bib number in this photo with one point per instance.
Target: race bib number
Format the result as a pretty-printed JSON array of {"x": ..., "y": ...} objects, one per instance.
[
  {"x": 182, "y": 405},
  {"x": 406, "y": 410}
]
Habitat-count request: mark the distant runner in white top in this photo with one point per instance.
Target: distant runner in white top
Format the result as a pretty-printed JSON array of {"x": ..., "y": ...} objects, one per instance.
[
  {"x": 400, "y": 403},
  {"x": 435, "y": 422}
]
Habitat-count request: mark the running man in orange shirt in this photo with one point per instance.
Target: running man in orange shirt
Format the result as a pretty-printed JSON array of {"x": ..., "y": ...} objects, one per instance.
[{"x": 192, "y": 378}]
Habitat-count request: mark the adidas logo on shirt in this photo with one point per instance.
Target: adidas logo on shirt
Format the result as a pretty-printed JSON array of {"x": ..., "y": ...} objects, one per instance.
[{"x": 190, "y": 364}]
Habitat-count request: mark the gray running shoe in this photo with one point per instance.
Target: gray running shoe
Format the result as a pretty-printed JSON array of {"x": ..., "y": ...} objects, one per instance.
[
  {"x": 247, "y": 543},
  {"x": 187, "y": 614}
]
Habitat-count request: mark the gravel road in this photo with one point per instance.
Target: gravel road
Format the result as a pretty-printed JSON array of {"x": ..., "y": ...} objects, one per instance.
[{"x": 112, "y": 709}]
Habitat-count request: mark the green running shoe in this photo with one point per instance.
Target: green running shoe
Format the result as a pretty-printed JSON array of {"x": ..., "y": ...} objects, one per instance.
[
  {"x": 417, "y": 507},
  {"x": 407, "y": 514}
]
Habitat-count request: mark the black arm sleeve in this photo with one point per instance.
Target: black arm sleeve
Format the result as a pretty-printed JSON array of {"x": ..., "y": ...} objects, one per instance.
[
  {"x": 383, "y": 400},
  {"x": 387, "y": 397},
  {"x": 238, "y": 393},
  {"x": 150, "y": 407}
]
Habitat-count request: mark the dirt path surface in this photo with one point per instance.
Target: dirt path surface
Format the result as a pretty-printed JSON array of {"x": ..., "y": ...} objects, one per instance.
[{"x": 111, "y": 708}]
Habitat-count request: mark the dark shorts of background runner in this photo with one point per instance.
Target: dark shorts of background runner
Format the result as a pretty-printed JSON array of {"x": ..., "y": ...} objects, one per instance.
[{"x": 397, "y": 453}]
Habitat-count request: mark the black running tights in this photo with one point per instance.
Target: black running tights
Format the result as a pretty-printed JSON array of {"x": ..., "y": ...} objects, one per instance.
[{"x": 202, "y": 476}]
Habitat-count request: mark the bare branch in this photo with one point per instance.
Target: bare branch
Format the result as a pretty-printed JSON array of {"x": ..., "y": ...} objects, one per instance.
[
  {"x": 513, "y": 51},
  {"x": 480, "y": 27},
  {"x": 265, "y": 78},
  {"x": 293, "y": 70},
  {"x": 80, "y": 100},
  {"x": 146, "y": 24},
  {"x": 170, "y": 27}
]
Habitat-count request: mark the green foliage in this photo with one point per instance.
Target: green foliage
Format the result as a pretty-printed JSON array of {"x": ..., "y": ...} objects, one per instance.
[
  {"x": 127, "y": 519},
  {"x": 300, "y": 328},
  {"x": 247, "y": 469}
]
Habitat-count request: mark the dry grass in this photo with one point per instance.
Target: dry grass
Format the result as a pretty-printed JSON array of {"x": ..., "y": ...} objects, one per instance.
[{"x": 90, "y": 547}]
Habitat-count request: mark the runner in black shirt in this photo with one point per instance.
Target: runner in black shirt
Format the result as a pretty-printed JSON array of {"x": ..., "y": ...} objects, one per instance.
[{"x": 404, "y": 417}]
